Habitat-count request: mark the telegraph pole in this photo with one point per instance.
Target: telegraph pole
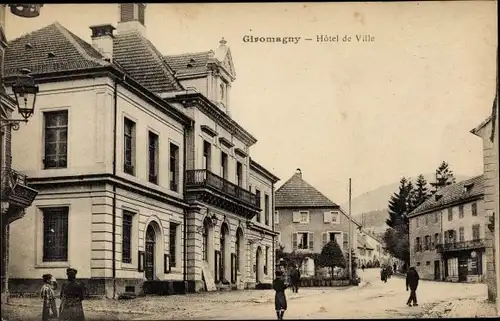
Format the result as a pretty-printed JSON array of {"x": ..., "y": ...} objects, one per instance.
[{"x": 350, "y": 235}]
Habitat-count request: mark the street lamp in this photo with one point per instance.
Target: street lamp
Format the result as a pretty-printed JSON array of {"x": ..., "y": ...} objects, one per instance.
[
  {"x": 26, "y": 10},
  {"x": 25, "y": 91}
]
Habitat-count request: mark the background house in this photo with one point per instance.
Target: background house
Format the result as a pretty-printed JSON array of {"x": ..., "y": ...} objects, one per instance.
[{"x": 307, "y": 220}]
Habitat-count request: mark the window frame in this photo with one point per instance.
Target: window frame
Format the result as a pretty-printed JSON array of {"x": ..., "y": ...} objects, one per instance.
[
  {"x": 129, "y": 165},
  {"x": 174, "y": 261},
  {"x": 153, "y": 176},
  {"x": 125, "y": 212},
  {"x": 474, "y": 208},
  {"x": 56, "y": 129},
  {"x": 174, "y": 161},
  {"x": 55, "y": 209},
  {"x": 308, "y": 218}
]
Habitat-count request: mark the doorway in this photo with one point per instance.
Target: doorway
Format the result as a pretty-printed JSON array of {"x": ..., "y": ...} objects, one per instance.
[
  {"x": 463, "y": 267},
  {"x": 149, "y": 260},
  {"x": 437, "y": 270}
]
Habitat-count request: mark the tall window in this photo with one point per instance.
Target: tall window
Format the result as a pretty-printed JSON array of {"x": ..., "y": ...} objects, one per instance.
[
  {"x": 426, "y": 220},
  {"x": 418, "y": 245},
  {"x": 435, "y": 217},
  {"x": 55, "y": 234},
  {"x": 436, "y": 239},
  {"x": 427, "y": 243},
  {"x": 223, "y": 165},
  {"x": 476, "y": 235},
  {"x": 174, "y": 168},
  {"x": 129, "y": 146},
  {"x": 257, "y": 195},
  {"x": 460, "y": 211},
  {"x": 474, "y": 209},
  {"x": 267, "y": 259},
  {"x": 239, "y": 174},
  {"x": 204, "y": 248},
  {"x": 266, "y": 209},
  {"x": 461, "y": 236},
  {"x": 303, "y": 240},
  {"x": 153, "y": 158},
  {"x": 345, "y": 240},
  {"x": 56, "y": 139},
  {"x": 417, "y": 222},
  {"x": 450, "y": 214},
  {"x": 207, "y": 155},
  {"x": 304, "y": 217},
  {"x": 127, "y": 237},
  {"x": 173, "y": 244}
]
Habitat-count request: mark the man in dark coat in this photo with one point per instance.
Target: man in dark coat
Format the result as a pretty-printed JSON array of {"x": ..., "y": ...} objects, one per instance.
[
  {"x": 383, "y": 274},
  {"x": 279, "y": 287},
  {"x": 295, "y": 279},
  {"x": 412, "y": 278}
]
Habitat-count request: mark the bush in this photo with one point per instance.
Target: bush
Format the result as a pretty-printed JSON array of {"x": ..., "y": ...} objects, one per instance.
[{"x": 263, "y": 286}]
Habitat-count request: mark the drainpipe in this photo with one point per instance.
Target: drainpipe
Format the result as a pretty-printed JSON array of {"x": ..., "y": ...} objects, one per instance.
[
  {"x": 185, "y": 211},
  {"x": 115, "y": 120},
  {"x": 274, "y": 236}
]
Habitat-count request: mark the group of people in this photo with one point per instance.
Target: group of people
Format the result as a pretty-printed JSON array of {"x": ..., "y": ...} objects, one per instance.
[
  {"x": 386, "y": 273},
  {"x": 72, "y": 295}
]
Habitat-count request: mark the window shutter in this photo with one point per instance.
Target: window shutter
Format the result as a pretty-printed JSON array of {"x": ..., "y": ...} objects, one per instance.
[
  {"x": 327, "y": 217},
  {"x": 296, "y": 217},
  {"x": 294, "y": 241},
  {"x": 311, "y": 241},
  {"x": 324, "y": 238},
  {"x": 276, "y": 217}
]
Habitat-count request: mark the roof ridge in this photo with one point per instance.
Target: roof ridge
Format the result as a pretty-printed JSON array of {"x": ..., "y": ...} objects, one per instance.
[
  {"x": 157, "y": 54},
  {"x": 188, "y": 53},
  {"x": 71, "y": 38}
]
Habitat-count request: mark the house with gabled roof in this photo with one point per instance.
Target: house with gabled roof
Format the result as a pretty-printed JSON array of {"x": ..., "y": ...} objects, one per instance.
[
  {"x": 143, "y": 176},
  {"x": 306, "y": 220}
]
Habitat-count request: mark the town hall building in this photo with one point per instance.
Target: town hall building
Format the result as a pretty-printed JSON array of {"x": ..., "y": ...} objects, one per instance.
[{"x": 143, "y": 176}]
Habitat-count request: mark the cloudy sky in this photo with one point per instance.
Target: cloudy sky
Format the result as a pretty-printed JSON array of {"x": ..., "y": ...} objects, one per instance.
[{"x": 372, "y": 111}]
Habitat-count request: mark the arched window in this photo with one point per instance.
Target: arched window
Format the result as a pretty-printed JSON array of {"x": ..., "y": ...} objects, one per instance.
[
  {"x": 204, "y": 248},
  {"x": 237, "y": 246}
]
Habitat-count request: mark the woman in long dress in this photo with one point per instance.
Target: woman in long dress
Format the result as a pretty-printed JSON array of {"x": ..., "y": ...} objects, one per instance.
[
  {"x": 279, "y": 298},
  {"x": 72, "y": 294}
]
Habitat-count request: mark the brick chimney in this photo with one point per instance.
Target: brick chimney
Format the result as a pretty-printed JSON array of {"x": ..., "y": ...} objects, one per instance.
[
  {"x": 132, "y": 17},
  {"x": 102, "y": 40},
  {"x": 298, "y": 173}
]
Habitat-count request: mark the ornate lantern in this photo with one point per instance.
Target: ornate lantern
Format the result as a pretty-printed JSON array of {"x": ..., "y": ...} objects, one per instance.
[
  {"x": 213, "y": 218},
  {"x": 26, "y": 10},
  {"x": 25, "y": 91}
]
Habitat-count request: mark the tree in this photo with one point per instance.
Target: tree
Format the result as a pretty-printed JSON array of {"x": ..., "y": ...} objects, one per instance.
[
  {"x": 421, "y": 191},
  {"x": 397, "y": 242},
  {"x": 444, "y": 177},
  {"x": 331, "y": 256},
  {"x": 400, "y": 203}
]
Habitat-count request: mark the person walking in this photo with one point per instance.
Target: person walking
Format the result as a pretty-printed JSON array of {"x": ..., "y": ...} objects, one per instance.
[
  {"x": 48, "y": 298},
  {"x": 363, "y": 267},
  {"x": 72, "y": 295},
  {"x": 395, "y": 267},
  {"x": 383, "y": 274},
  {"x": 279, "y": 287},
  {"x": 412, "y": 279},
  {"x": 295, "y": 279}
]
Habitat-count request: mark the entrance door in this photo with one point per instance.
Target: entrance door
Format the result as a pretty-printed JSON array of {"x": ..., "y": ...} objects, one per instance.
[
  {"x": 437, "y": 271},
  {"x": 462, "y": 269},
  {"x": 149, "y": 264}
]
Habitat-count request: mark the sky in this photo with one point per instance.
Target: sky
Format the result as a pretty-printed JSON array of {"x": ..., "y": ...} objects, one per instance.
[{"x": 370, "y": 111}]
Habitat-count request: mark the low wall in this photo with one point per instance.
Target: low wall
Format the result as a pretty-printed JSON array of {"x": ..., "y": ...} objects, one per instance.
[{"x": 321, "y": 283}]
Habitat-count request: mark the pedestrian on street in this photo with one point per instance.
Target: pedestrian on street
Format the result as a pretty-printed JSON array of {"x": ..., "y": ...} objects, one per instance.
[
  {"x": 48, "y": 298},
  {"x": 363, "y": 267},
  {"x": 295, "y": 279},
  {"x": 279, "y": 297},
  {"x": 412, "y": 278},
  {"x": 395, "y": 267},
  {"x": 72, "y": 294},
  {"x": 383, "y": 274}
]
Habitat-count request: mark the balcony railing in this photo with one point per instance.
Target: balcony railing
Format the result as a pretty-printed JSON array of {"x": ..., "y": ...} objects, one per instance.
[
  {"x": 9, "y": 178},
  {"x": 457, "y": 246},
  {"x": 205, "y": 178}
]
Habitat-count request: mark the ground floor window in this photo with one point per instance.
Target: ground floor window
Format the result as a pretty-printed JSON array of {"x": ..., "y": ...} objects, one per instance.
[
  {"x": 475, "y": 266},
  {"x": 55, "y": 234},
  {"x": 173, "y": 244},
  {"x": 453, "y": 266}
]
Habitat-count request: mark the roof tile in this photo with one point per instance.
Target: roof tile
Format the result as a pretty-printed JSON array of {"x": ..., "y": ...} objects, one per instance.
[
  {"x": 189, "y": 63},
  {"x": 32, "y": 51},
  {"x": 296, "y": 192},
  {"x": 451, "y": 194}
]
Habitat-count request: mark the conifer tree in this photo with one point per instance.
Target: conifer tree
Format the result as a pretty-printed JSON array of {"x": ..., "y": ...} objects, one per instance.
[
  {"x": 444, "y": 177},
  {"x": 421, "y": 191}
]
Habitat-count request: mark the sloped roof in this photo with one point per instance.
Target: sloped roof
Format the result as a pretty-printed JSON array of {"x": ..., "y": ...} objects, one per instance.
[
  {"x": 364, "y": 244},
  {"x": 50, "y": 49},
  {"x": 189, "y": 63},
  {"x": 452, "y": 194},
  {"x": 143, "y": 62},
  {"x": 296, "y": 192}
]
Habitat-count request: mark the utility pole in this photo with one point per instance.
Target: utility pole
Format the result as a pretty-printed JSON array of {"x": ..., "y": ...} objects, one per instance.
[{"x": 350, "y": 235}]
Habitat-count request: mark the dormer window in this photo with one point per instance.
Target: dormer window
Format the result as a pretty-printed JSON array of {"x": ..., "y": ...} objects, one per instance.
[
  {"x": 468, "y": 188},
  {"x": 438, "y": 197}
]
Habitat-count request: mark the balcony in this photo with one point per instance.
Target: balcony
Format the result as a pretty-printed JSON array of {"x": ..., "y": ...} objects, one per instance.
[
  {"x": 13, "y": 189},
  {"x": 460, "y": 246},
  {"x": 205, "y": 186}
]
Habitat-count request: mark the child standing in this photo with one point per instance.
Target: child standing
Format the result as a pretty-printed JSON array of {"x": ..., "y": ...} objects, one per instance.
[
  {"x": 279, "y": 298},
  {"x": 48, "y": 297}
]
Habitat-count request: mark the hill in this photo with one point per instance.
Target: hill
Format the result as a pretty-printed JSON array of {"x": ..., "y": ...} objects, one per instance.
[{"x": 371, "y": 207}]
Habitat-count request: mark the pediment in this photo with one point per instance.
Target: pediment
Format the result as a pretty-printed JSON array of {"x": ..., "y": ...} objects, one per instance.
[{"x": 228, "y": 65}]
